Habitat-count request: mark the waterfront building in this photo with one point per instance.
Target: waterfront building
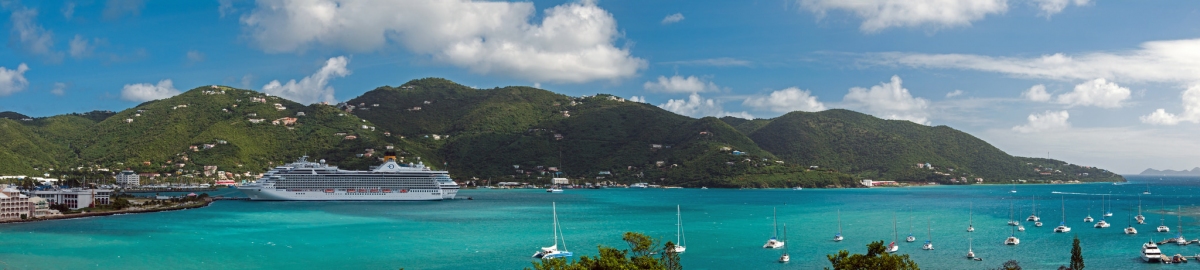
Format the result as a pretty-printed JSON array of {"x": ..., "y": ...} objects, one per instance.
[
  {"x": 76, "y": 198},
  {"x": 41, "y": 208},
  {"x": 13, "y": 204},
  {"x": 128, "y": 178}
]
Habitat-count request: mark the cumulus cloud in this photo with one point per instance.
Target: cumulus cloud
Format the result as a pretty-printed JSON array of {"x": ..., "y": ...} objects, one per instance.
[
  {"x": 1036, "y": 93},
  {"x": 573, "y": 43},
  {"x": 114, "y": 9},
  {"x": 1049, "y": 120},
  {"x": 1098, "y": 92},
  {"x": 639, "y": 99},
  {"x": 60, "y": 89},
  {"x": 80, "y": 47},
  {"x": 1051, "y": 7},
  {"x": 673, "y": 18},
  {"x": 146, "y": 92},
  {"x": 68, "y": 10},
  {"x": 713, "y": 62},
  {"x": 13, "y": 80},
  {"x": 697, "y": 106},
  {"x": 955, "y": 93},
  {"x": 314, "y": 88},
  {"x": 882, "y": 14},
  {"x": 784, "y": 101},
  {"x": 194, "y": 56},
  {"x": 29, "y": 36},
  {"x": 680, "y": 84},
  {"x": 1172, "y": 61},
  {"x": 1191, "y": 110},
  {"x": 225, "y": 7},
  {"x": 889, "y": 100}
]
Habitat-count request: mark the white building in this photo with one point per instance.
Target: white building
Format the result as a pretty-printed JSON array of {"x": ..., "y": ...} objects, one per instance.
[
  {"x": 560, "y": 181},
  {"x": 41, "y": 208},
  {"x": 76, "y": 198},
  {"x": 13, "y": 204},
  {"x": 128, "y": 178}
]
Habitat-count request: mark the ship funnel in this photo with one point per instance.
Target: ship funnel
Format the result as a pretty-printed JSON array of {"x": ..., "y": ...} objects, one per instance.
[{"x": 389, "y": 156}]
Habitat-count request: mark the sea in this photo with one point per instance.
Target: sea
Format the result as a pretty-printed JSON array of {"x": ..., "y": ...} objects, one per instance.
[{"x": 724, "y": 228}]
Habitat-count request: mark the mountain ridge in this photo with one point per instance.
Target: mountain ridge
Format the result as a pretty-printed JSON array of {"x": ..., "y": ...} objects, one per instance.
[{"x": 1151, "y": 171}]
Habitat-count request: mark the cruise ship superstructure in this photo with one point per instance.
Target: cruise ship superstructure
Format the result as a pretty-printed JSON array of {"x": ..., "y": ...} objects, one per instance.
[{"x": 316, "y": 181}]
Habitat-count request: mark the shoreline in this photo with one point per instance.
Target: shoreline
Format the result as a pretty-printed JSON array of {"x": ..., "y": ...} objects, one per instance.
[{"x": 109, "y": 213}]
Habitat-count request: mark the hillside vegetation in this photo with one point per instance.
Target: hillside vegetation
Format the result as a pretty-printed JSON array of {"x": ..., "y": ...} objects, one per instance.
[{"x": 513, "y": 133}]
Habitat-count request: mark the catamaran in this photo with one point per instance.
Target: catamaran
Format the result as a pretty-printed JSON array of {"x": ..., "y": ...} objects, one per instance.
[
  {"x": 838, "y": 237},
  {"x": 774, "y": 242},
  {"x": 971, "y": 218},
  {"x": 1034, "y": 216},
  {"x": 929, "y": 243},
  {"x": 1179, "y": 240},
  {"x": 1089, "y": 216},
  {"x": 1062, "y": 226},
  {"x": 895, "y": 234},
  {"x": 910, "y": 237},
  {"x": 1011, "y": 221},
  {"x": 1129, "y": 229},
  {"x": 1102, "y": 223},
  {"x": 785, "y": 257},
  {"x": 1140, "y": 218},
  {"x": 1012, "y": 239},
  {"x": 553, "y": 252},
  {"x": 1162, "y": 226},
  {"x": 680, "y": 239}
]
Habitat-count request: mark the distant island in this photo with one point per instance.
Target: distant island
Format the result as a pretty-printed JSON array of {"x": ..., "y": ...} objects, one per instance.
[{"x": 1194, "y": 172}]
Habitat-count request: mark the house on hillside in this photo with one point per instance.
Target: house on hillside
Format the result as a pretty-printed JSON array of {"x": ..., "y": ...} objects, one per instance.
[{"x": 351, "y": 137}]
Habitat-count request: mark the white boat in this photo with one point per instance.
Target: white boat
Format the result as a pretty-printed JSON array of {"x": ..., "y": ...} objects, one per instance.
[
  {"x": 304, "y": 180},
  {"x": 774, "y": 241},
  {"x": 910, "y": 237},
  {"x": 680, "y": 238},
  {"x": 1033, "y": 216},
  {"x": 1012, "y": 239},
  {"x": 797, "y": 188},
  {"x": 1151, "y": 253},
  {"x": 554, "y": 190},
  {"x": 1179, "y": 240},
  {"x": 1147, "y": 192},
  {"x": 1014, "y": 188},
  {"x": 1162, "y": 226},
  {"x": 1129, "y": 229},
  {"x": 1011, "y": 221},
  {"x": 970, "y": 252},
  {"x": 1106, "y": 206},
  {"x": 929, "y": 243},
  {"x": 1101, "y": 224},
  {"x": 1020, "y": 228},
  {"x": 638, "y": 185},
  {"x": 891, "y": 248},
  {"x": 785, "y": 257},
  {"x": 1037, "y": 224},
  {"x": 1089, "y": 216},
  {"x": 552, "y": 252},
  {"x": 1062, "y": 226},
  {"x": 971, "y": 218},
  {"x": 1140, "y": 218},
  {"x": 838, "y": 237}
]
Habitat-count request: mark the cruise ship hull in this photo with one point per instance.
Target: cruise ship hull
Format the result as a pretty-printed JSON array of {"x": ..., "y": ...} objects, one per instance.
[{"x": 269, "y": 194}]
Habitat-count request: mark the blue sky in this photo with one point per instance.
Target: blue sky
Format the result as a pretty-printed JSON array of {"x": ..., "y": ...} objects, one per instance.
[{"x": 1109, "y": 84}]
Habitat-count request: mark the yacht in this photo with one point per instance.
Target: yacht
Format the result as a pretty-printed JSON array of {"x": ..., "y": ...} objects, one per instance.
[
  {"x": 774, "y": 241},
  {"x": 1162, "y": 226},
  {"x": 1089, "y": 216},
  {"x": 1012, "y": 239},
  {"x": 680, "y": 238},
  {"x": 554, "y": 190},
  {"x": 1150, "y": 253},
  {"x": 971, "y": 218},
  {"x": 1011, "y": 221},
  {"x": 1140, "y": 218},
  {"x": 1130, "y": 229},
  {"x": 552, "y": 252},
  {"x": 1179, "y": 240},
  {"x": 929, "y": 243},
  {"x": 891, "y": 248},
  {"x": 1020, "y": 228},
  {"x": 838, "y": 237},
  {"x": 1062, "y": 226},
  {"x": 970, "y": 252},
  {"x": 785, "y": 257},
  {"x": 1033, "y": 216},
  {"x": 1101, "y": 224}
]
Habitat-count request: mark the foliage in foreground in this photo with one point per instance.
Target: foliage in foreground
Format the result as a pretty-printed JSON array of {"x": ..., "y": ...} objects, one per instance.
[
  {"x": 875, "y": 259},
  {"x": 640, "y": 255}
]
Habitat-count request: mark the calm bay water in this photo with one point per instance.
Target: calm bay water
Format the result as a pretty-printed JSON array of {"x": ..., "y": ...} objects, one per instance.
[{"x": 725, "y": 229}]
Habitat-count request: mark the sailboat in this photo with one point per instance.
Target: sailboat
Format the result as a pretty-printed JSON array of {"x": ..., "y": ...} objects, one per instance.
[
  {"x": 553, "y": 252},
  {"x": 1129, "y": 229},
  {"x": 1011, "y": 221},
  {"x": 1179, "y": 234},
  {"x": 1014, "y": 188},
  {"x": 1012, "y": 239},
  {"x": 929, "y": 243},
  {"x": 1147, "y": 192},
  {"x": 785, "y": 257},
  {"x": 893, "y": 247},
  {"x": 970, "y": 252},
  {"x": 838, "y": 237},
  {"x": 910, "y": 237},
  {"x": 971, "y": 218},
  {"x": 1034, "y": 216},
  {"x": 1102, "y": 223},
  {"x": 1140, "y": 218},
  {"x": 680, "y": 238},
  {"x": 774, "y": 242},
  {"x": 1108, "y": 208},
  {"x": 1089, "y": 217},
  {"x": 1062, "y": 226},
  {"x": 1162, "y": 226}
]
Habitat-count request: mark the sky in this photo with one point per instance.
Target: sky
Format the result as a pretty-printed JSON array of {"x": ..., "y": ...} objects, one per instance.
[{"x": 1112, "y": 84}]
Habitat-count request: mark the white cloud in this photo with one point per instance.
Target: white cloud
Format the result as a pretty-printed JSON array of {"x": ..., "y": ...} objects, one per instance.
[
  {"x": 80, "y": 47},
  {"x": 13, "y": 80},
  {"x": 573, "y": 43},
  {"x": 784, "y": 101},
  {"x": 1176, "y": 61},
  {"x": 194, "y": 56},
  {"x": 680, "y": 84},
  {"x": 225, "y": 7},
  {"x": 31, "y": 37},
  {"x": 673, "y": 18},
  {"x": 1120, "y": 149},
  {"x": 1037, "y": 93},
  {"x": 1098, "y": 92},
  {"x": 889, "y": 100},
  {"x": 1051, "y": 7},
  {"x": 311, "y": 89},
  {"x": 114, "y": 9},
  {"x": 882, "y": 14},
  {"x": 697, "y": 106},
  {"x": 639, "y": 99},
  {"x": 1050, "y": 120},
  {"x": 60, "y": 89},
  {"x": 146, "y": 92},
  {"x": 715, "y": 62},
  {"x": 1191, "y": 110},
  {"x": 68, "y": 10},
  {"x": 955, "y": 93}
]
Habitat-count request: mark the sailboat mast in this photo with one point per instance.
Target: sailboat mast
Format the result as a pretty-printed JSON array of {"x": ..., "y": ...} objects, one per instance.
[
  {"x": 839, "y": 221},
  {"x": 775, "y": 222}
]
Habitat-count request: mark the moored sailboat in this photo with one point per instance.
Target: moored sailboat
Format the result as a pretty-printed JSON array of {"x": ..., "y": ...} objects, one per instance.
[
  {"x": 774, "y": 241},
  {"x": 1129, "y": 229},
  {"x": 1033, "y": 216},
  {"x": 1062, "y": 226},
  {"x": 1140, "y": 218},
  {"x": 785, "y": 257},
  {"x": 838, "y": 237},
  {"x": 895, "y": 234},
  {"x": 680, "y": 238},
  {"x": 971, "y": 218},
  {"x": 553, "y": 252},
  {"x": 929, "y": 243}
]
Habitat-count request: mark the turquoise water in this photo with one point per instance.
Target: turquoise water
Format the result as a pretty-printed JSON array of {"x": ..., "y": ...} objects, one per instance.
[{"x": 500, "y": 229}]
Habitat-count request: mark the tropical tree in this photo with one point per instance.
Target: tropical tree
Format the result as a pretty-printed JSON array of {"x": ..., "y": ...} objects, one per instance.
[
  {"x": 1010, "y": 265},
  {"x": 1076, "y": 255},
  {"x": 875, "y": 258}
]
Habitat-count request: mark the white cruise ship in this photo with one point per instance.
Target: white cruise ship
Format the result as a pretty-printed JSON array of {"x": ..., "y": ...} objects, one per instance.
[{"x": 317, "y": 181}]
